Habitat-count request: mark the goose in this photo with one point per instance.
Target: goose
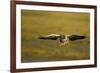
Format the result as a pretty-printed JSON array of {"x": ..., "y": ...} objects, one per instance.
[{"x": 63, "y": 39}]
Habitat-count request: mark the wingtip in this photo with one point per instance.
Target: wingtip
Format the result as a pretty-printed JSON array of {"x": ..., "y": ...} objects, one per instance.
[
  {"x": 40, "y": 37},
  {"x": 84, "y": 37}
]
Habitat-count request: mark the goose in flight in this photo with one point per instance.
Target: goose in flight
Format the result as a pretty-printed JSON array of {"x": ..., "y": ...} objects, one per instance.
[{"x": 63, "y": 39}]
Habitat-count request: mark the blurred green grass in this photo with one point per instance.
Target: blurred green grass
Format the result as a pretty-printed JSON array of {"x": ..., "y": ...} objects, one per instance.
[{"x": 38, "y": 23}]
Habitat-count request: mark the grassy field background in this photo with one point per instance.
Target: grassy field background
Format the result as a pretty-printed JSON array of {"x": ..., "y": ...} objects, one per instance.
[{"x": 39, "y": 23}]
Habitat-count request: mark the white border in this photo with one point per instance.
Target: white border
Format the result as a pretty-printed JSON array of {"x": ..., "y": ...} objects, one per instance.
[{"x": 20, "y": 65}]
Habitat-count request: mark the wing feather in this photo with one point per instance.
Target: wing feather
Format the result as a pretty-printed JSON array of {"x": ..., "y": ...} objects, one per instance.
[
  {"x": 51, "y": 36},
  {"x": 76, "y": 37}
]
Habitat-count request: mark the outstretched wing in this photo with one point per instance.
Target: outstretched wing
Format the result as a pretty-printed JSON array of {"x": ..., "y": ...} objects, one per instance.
[
  {"x": 51, "y": 36},
  {"x": 76, "y": 37}
]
